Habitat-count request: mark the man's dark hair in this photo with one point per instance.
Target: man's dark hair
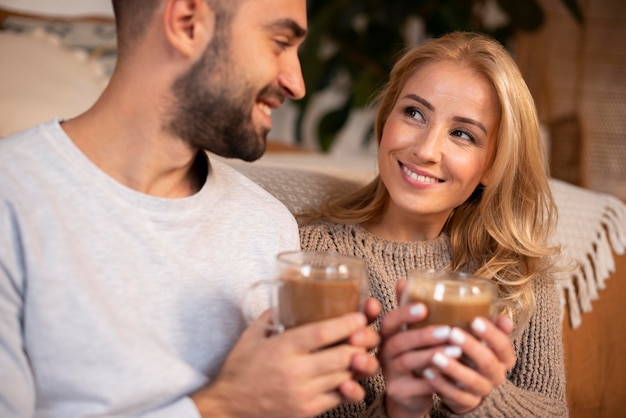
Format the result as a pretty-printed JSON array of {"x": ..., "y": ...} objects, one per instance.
[{"x": 132, "y": 18}]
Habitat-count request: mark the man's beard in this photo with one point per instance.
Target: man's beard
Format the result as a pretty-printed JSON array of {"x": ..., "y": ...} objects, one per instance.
[{"x": 213, "y": 113}]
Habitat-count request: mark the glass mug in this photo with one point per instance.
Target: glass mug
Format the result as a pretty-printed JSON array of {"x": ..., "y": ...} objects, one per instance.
[
  {"x": 453, "y": 298},
  {"x": 310, "y": 286}
]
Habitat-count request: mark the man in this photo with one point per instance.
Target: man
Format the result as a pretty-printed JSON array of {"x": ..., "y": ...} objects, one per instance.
[{"x": 125, "y": 249}]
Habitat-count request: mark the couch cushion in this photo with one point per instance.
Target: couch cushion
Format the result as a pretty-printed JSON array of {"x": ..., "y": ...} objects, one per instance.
[{"x": 297, "y": 189}]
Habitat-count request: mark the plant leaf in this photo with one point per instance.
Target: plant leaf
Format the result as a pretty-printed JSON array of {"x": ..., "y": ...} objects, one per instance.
[{"x": 331, "y": 123}]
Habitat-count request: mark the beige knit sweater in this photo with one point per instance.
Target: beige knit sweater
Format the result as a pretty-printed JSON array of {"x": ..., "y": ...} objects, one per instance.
[{"x": 536, "y": 385}]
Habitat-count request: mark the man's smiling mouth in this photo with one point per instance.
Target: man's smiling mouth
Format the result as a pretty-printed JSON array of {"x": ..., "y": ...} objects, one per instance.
[{"x": 265, "y": 108}]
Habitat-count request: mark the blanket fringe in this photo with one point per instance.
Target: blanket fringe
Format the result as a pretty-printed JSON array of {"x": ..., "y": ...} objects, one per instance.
[{"x": 591, "y": 273}]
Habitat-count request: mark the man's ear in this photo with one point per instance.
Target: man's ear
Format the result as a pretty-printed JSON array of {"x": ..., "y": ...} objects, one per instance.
[{"x": 189, "y": 25}]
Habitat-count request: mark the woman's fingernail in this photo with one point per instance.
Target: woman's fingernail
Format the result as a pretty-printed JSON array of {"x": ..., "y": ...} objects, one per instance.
[
  {"x": 440, "y": 360},
  {"x": 453, "y": 351},
  {"x": 479, "y": 325},
  {"x": 428, "y": 374},
  {"x": 441, "y": 333},
  {"x": 457, "y": 336},
  {"x": 416, "y": 310}
]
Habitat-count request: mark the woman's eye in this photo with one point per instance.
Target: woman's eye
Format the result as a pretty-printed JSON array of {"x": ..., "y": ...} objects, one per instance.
[
  {"x": 463, "y": 135},
  {"x": 412, "y": 112}
]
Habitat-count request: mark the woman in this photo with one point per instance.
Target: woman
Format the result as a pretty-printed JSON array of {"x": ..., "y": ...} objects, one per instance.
[{"x": 463, "y": 186}]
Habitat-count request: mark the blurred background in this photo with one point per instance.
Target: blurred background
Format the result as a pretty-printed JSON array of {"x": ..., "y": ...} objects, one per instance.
[{"x": 571, "y": 53}]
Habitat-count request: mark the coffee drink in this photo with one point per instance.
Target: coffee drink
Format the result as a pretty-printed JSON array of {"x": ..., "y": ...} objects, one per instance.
[
  {"x": 454, "y": 310},
  {"x": 309, "y": 286},
  {"x": 452, "y": 298},
  {"x": 305, "y": 300}
]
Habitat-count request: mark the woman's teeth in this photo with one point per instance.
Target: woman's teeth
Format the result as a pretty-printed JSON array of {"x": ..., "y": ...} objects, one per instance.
[{"x": 418, "y": 177}]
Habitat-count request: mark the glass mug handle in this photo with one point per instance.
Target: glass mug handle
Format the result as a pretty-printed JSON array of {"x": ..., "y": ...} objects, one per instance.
[{"x": 249, "y": 303}]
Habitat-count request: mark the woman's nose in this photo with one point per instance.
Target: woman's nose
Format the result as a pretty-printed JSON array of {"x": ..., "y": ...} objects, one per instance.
[{"x": 429, "y": 146}]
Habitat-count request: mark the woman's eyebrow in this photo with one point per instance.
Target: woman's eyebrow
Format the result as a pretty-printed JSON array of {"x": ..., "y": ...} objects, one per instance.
[
  {"x": 421, "y": 100},
  {"x": 470, "y": 121}
]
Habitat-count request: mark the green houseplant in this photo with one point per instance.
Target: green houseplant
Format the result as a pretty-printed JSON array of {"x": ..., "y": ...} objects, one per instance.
[{"x": 358, "y": 41}]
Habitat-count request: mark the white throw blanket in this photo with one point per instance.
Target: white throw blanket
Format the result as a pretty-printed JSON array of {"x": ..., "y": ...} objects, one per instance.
[{"x": 591, "y": 227}]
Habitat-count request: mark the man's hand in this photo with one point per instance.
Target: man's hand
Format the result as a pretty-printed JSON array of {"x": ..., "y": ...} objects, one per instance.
[
  {"x": 292, "y": 374},
  {"x": 363, "y": 364}
]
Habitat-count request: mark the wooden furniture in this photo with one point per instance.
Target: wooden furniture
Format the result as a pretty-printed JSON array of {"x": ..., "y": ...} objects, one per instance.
[
  {"x": 576, "y": 75},
  {"x": 595, "y": 353}
]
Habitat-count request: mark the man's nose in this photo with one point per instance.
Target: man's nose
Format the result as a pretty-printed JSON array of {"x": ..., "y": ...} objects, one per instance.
[{"x": 291, "y": 80}]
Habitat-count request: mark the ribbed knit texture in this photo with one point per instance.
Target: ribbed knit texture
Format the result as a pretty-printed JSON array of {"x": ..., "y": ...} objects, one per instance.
[{"x": 536, "y": 385}]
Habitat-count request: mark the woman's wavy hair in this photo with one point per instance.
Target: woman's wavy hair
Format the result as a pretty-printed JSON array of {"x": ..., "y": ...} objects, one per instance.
[{"x": 502, "y": 231}]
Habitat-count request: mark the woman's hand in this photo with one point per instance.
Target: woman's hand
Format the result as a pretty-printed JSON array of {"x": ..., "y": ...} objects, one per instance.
[
  {"x": 404, "y": 354},
  {"x": 419, "y": 362},
  {"x": 491, "y": 353}
]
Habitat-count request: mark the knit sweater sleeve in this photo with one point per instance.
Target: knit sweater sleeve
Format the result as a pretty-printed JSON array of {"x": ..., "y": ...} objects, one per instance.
[{"x": 536, "y": 385}]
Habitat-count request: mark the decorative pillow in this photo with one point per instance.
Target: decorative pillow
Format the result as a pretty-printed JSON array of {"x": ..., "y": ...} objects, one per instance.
[{"x": 42, "y": 79}]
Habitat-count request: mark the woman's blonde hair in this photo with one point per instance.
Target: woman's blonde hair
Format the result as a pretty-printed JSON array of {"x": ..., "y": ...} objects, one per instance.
[{"x": 502, "y": 230}]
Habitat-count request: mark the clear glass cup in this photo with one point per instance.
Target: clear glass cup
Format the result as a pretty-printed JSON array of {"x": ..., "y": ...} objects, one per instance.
[
  {"x": 452, "y": 298},
  {"x": 310, "y": 286}
]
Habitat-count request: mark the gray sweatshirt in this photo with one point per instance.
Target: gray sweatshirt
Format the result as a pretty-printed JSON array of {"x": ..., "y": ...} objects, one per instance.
[{"x": 112, "y": 302}]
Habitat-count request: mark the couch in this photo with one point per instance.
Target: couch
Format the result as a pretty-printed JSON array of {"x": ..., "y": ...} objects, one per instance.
[{"x": 592, "y": 232}]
